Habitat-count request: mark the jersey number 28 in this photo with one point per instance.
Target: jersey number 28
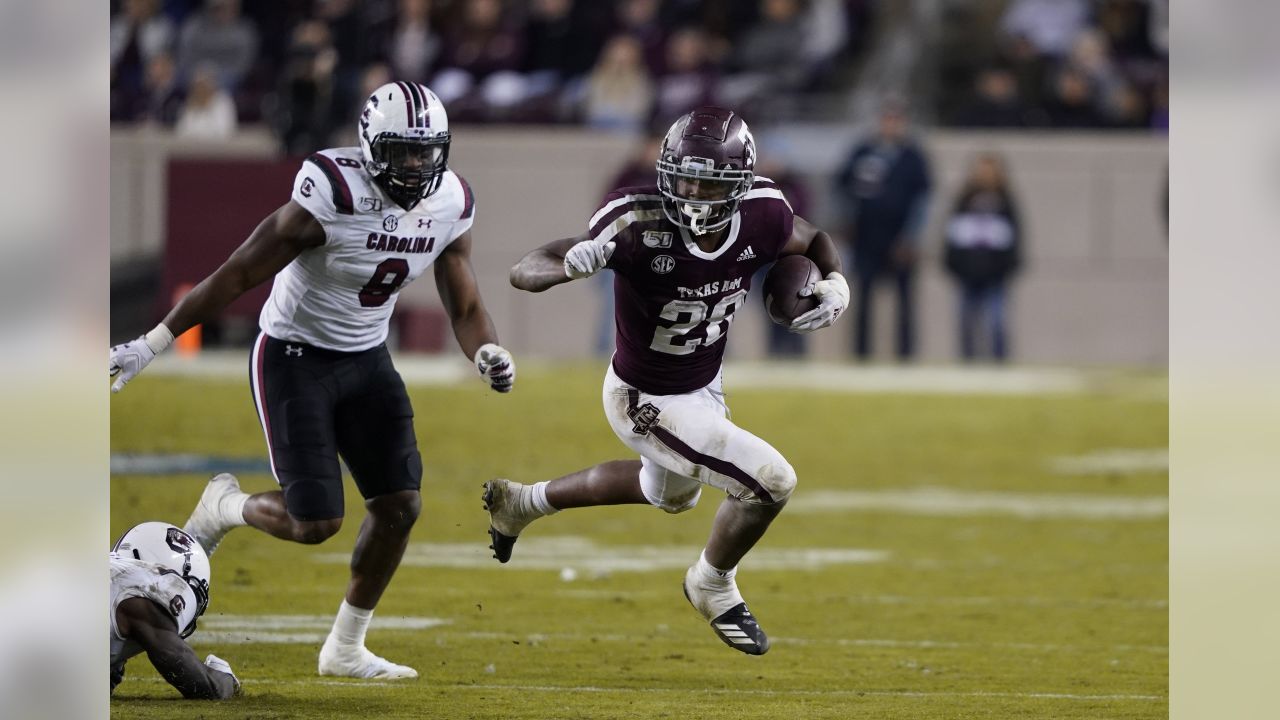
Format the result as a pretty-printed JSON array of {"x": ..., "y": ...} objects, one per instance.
[{"x": 694, "y": 324}]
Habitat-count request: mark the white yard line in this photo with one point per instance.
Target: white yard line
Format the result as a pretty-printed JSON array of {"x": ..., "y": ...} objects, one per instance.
[
  {"x": 949, "y": 502},
  {"x": 250, "y": 683},
  {"x": 585, "y": 555},
  {"x": 1118, "y": 461},
  {"x": 227, "y": 629}
]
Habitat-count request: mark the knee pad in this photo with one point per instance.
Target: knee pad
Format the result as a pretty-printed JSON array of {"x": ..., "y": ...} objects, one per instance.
[
  {"x": 778, "y": 478},
  {"x": 666, "y": 490}
]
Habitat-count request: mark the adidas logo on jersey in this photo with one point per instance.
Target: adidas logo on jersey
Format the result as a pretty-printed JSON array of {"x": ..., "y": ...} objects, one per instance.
[{"x": 746, "y": 254}]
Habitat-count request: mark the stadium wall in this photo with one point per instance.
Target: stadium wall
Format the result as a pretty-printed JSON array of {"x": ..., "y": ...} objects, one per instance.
[{"x": 1094, "y": 289}]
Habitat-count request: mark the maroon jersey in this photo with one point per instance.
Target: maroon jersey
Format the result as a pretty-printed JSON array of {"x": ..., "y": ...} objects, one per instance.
[{"x": 674, "y": 302}]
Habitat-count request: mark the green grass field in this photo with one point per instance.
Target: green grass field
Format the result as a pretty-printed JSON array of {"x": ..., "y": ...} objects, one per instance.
[{"x": 979, "y": 582}]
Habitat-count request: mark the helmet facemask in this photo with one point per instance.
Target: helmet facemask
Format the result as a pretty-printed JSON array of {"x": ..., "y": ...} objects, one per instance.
[
  {"x": 698, "y": 196},
  {"x": 409, "y": 169}
]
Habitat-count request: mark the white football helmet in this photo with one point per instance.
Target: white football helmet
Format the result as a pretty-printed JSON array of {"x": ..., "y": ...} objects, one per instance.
[
  {"x": 170, "y": 547},
  {"x": 404, "y": 136}
]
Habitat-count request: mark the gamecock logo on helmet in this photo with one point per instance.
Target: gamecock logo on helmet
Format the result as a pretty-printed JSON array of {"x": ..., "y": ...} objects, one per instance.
[{"x": 179, "y": 541}]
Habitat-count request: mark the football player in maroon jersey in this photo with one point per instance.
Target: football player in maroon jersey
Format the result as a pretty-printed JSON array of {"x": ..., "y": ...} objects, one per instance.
[{"x": 683, "y": 252}]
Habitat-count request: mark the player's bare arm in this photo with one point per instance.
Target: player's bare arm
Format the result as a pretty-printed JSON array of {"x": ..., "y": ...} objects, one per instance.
[
  {"x": 277, "y": 240},
  {"x": 273, "y": 244},
  {"x": 544, "y": 268},
  {"x": 815, "y": 244},
  {"x": 144, "y": 622},
  {"x": 472, "y": 326},
  {"x": 833, "y": 291}
]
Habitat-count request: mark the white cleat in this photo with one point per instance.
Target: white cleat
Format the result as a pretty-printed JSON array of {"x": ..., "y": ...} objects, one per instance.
[
  {"x": 217, "y": 511},
  {"x": 358, "y": 662},
  {"x": 510, "y": 507}
]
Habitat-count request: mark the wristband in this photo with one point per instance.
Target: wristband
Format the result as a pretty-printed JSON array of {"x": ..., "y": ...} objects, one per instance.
[{"x": 158, "y": 339}]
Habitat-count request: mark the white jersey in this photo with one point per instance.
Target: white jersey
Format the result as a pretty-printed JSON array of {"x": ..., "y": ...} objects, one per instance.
[
  {"x": 137, "y": 578},
  {"x": 339, "y": 296}
]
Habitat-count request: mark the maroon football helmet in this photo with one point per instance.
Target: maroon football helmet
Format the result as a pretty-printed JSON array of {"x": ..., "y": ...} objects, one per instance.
[{"x": 705, "y": 168}]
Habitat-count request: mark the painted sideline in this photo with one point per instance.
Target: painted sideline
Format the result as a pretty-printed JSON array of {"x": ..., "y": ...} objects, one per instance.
[{"x": 452, "y": 368}]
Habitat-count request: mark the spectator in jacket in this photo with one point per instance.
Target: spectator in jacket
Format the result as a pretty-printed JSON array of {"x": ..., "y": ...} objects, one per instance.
[
  {"x": 983, "y": 241},
  {"x": 884, "y": 190},
  {"x": 221, "y": 37}
]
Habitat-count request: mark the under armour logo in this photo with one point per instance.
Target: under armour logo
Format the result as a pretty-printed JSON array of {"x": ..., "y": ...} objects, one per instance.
[
  {"x": 424, "y": 222},
  {"x": 292, "y": 351}
]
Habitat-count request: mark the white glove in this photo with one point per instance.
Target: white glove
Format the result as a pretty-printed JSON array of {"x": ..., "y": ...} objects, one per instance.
[
  {"x": 496, "y": 367},
  {"x": 833, "y": 298},
  {"x": 213, "y": 662},
  {"x": 587, "y": 258},
  {"x": 127, "y": 360}
]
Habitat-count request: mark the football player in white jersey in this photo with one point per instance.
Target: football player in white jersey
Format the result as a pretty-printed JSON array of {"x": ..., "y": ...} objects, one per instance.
[
  {"x": 159, "y": 587},
  {"x": 361, "y": 224}
]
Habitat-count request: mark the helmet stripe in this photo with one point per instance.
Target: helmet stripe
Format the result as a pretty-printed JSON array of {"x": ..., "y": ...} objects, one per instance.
[
  {"x": 408, "y": 102},
  {"x": 417, "y": 105},
  {"x": 426, "y": 104}
]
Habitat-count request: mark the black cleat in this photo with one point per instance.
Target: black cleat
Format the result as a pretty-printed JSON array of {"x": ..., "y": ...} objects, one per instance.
[
  {"x": 505, "y": 514},
  {"x": 501, "y": 545},
  {"x": 738, "y": 628}
]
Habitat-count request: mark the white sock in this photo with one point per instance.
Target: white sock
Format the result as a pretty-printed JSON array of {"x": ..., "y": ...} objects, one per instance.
[
  {"x": 232, "y": 509},
  {"x": 540, "y": 503},
  {"x": 711, "y": 572},
  {"x": 350, "y": 625}
]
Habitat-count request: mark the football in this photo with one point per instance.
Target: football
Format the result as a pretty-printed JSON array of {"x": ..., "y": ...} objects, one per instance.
[{"x": 782, "y": 286}]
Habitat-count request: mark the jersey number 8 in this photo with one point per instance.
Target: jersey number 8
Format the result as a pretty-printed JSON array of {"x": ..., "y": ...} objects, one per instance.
[{"x": 387, "y": 278}]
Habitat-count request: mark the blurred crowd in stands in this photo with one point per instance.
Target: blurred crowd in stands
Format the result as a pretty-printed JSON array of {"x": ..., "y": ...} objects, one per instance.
[
  {"x": 1081, "y": 64},
  {"x": 302, "y": 65},
  {"x": 205, "y": 66}
]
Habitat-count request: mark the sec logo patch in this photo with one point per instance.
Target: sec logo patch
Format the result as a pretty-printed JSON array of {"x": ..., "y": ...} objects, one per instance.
[
  {"x": 389, "y": 223},
  {"x": 663, "y": 264}
]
